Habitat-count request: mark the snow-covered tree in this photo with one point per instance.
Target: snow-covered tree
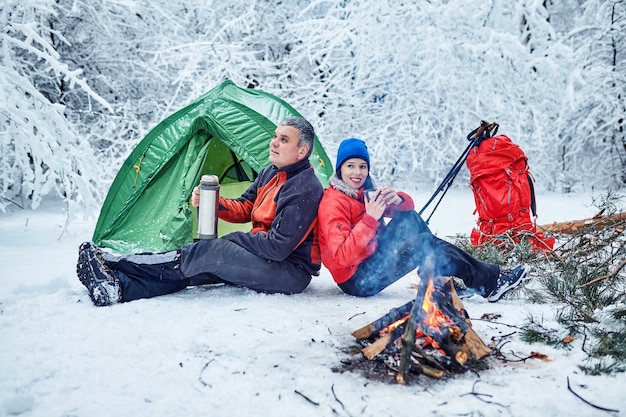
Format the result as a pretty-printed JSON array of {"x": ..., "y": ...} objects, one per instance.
[
  {"x": 591, "y": 127},
  {"x": 85, "y": 80},
  {"x": 41, "y": 153},
  {"x": 413, "y": 78}
]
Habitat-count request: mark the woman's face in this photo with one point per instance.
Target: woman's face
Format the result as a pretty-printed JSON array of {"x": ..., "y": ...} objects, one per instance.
[{"x": 354, "y": 172}]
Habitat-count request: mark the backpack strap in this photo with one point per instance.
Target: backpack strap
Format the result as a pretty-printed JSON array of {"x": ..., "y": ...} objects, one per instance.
[{"x": 533, "y": 200}]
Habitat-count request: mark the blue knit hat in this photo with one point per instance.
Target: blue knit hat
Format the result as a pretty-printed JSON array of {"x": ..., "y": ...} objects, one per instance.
[{"x": 351, "y": 148}]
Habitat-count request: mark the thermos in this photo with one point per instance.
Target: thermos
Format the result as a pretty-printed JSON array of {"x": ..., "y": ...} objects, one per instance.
[{"x": 207, "y": 211}]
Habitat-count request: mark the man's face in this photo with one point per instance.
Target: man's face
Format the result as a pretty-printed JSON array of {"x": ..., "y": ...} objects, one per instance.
[{"x": 284, "y": 149}]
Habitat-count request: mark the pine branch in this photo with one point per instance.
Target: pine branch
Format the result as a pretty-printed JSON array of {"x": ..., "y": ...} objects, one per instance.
[{"x": 603, "y": 277}]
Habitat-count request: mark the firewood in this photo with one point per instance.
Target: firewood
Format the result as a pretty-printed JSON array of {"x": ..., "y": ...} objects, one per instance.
[
  {"x": 597, "y": 222},
  {"x": 460, "y": 357},
  {"x": 432, "y": 372},
  {"x": 365, "y": 331},
  {"x": 382, "y": 343},
  {"x": 378, "y": 346},
  {"x": 400, "y": 379},
  {"x": 424, "y": 358},
  {"x": 435, "y": 322},
  {"x": 417, "y": 366},
  {"x": 452, "y": 349},
  {"x": 474, "y": 347},
  {"x": 408, "y": 341},
  {"x": 376, "y": 326},
  {"x": 456, "y": 334}
]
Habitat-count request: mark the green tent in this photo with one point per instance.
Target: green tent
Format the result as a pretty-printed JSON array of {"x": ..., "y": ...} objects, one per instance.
[{"x": 226, "y": 132}]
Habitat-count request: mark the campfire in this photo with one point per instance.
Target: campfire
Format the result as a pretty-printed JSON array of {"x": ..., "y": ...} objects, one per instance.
[{"x": 431, "y": 335}]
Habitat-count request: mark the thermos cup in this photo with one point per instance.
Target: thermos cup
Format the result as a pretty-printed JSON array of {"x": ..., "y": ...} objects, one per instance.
[{"x": 207, "y": 211}]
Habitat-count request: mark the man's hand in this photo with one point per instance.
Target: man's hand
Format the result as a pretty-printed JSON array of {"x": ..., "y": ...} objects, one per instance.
[{"x": 195, "y": 197}]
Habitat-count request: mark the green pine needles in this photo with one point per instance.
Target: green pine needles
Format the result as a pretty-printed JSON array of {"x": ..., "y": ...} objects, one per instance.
[{"x": 585, "y": 277}]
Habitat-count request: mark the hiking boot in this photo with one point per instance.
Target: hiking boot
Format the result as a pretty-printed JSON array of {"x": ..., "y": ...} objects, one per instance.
[
  {"x": 465, "y": 292},
  {"x": 507, "y": 281},
  {"x": 104, "y": 289}
]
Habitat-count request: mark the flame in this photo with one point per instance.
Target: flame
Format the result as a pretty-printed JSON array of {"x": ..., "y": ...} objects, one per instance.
[
  {"x": 394, "y": 325},
  {"x": 424, "y": 341},
  {"x": 434, "y": 317}
]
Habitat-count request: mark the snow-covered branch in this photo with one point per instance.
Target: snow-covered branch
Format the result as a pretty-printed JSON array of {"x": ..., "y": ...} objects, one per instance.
[{"x": 411, "y": 78}]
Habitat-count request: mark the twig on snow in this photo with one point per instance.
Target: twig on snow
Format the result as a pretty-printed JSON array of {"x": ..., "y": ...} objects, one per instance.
[
  {"x": 480, "y": 395},
  {"x": 206, "y": 384},
  {"x": 587, "y": 402},
  {"x": 355, "y": 315},
  {"x": 305, "y": 397},
  {"x": 332, "y": 388}
]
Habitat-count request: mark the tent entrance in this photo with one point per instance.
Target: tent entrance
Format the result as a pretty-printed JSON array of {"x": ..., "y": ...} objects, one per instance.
[
  {"x": 235, "y": 176},
  {"x": 222, "y": 161}
]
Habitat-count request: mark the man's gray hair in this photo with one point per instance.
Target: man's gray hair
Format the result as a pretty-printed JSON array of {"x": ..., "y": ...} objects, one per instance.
[{"x": 306, "y": 133}]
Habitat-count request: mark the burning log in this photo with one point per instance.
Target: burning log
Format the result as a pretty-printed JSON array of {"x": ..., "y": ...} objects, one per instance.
[
  {"x": 384, "y": 341},
  {"x": 430, "y": 335},
  {"x": 394, "y": 315},
  {"x": 434, "y": 315}
]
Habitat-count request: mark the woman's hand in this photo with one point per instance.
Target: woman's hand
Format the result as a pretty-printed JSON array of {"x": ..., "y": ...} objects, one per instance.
[
  {"x": 376, "y": 205},
  {"x": 381, "y": 198},
  {"x": 390, "y": 196},
  {"x": 195, "y": 197}
]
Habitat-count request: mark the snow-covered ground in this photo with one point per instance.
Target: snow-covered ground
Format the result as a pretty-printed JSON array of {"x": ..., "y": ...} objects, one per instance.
[{"x": 224, "y": 351}]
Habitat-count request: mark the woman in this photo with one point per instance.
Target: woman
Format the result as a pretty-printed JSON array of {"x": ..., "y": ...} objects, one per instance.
[{"x": 365, "y": 256}]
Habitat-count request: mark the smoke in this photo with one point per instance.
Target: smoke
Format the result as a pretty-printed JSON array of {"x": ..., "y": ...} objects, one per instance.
[{"x": 406, "y": 244}]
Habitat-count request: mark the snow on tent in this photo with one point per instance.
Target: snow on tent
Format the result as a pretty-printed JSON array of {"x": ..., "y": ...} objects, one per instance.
[{"x": 225, "y": 132}]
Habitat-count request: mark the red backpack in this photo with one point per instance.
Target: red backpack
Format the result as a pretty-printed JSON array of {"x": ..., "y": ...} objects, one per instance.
[{"x": 504, "y": 194}]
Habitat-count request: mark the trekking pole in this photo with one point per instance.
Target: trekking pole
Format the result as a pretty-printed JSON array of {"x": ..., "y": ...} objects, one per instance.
[
  {"x": 447, "y": 182},
  {"x": 475, "y": 137}
]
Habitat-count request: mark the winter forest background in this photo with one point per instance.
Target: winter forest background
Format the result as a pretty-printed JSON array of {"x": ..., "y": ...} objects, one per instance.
[{"x": 84, "y": 80}]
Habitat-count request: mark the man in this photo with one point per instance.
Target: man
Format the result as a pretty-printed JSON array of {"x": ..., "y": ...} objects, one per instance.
[{"x": 277, "y": 256}]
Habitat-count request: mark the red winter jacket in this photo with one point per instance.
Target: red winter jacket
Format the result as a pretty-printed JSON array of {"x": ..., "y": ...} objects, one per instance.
[{"x": 347, "y": 235}]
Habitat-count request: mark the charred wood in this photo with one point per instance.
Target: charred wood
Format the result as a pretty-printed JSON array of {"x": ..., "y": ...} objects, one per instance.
[
  {"x": 383, "y": 342},
  {"x": 408, "y": 343},
  {"x": 376, "y": 326}
]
